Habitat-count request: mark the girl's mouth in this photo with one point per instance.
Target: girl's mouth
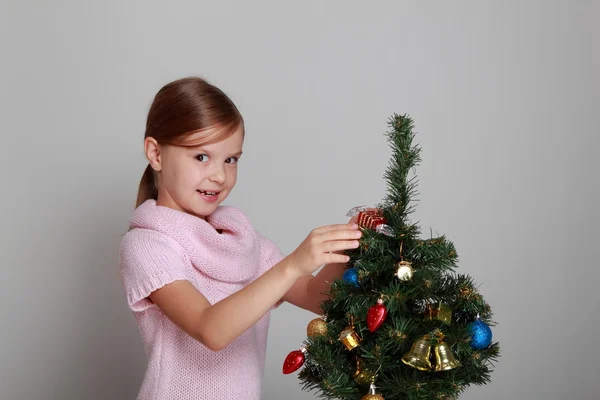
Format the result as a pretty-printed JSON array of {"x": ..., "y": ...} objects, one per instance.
[
  {"x": 209, "y": 196},
  {"x": 206, "y": 193}
]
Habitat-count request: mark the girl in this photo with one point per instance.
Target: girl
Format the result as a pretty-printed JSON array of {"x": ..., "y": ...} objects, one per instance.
[{"x": 200, "y": 280}]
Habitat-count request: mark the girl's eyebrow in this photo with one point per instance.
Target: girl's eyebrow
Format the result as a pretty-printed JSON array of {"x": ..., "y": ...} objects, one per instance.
[{"x": 202, "y": 150}]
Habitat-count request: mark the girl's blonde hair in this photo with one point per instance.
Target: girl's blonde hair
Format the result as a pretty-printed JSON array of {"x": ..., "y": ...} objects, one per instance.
[{"x": 181, "y": 108}]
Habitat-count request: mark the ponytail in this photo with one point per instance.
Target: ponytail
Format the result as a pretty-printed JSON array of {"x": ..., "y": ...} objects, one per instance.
[{"x": 147, "y": 188}]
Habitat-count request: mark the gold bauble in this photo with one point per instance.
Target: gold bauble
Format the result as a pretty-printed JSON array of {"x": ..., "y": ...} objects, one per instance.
[
  {"x": 404, "y": 272},
  {"x": 349, "y": 338},
  {"x": 316, "y": 327},
  {"x": 372, "y": 395}
]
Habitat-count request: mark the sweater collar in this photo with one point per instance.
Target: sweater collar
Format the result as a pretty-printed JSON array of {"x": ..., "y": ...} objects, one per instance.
[{"x": 230, "y": 256}]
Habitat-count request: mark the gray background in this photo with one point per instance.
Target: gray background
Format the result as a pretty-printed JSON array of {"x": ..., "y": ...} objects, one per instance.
[{"x": 505, "y": 100}]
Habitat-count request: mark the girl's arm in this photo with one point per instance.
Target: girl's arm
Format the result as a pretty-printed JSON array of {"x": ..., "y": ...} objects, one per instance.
[
  {"x": 219, "y": 324},
  {"x": 309, "y": 291}
]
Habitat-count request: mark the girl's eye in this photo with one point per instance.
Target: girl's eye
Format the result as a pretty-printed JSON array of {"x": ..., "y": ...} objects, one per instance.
[
  {"x": 202, "y": 157},
  {"x": 232, "y": 160}
]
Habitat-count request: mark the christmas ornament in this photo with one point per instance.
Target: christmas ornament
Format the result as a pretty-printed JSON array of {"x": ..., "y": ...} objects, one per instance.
[
  {"x": 444, "y": 359},
  {"x": 441, "y": 312},
  {"x": 466, "y": 292},
  {"x": 362, "y": 376},
  {"x": 316, "y": 327},
  {"x": 371, "y": 218},
  {"x": 351, "y": 276},
  {"x": 294, "y": 360},
  {"x": 355, "y": 210},
  {"x": 372, "y": 395},
  {"x": 376, "y": 316},
  {"x": 374, "y": 219},
  {"x": 418, "y": 356},
  {"x": 481, "y": 334},
  {"x": 384, "y": 229},
  {"x": 349, "y": 338},
  {"x": 404, "y": 271}
]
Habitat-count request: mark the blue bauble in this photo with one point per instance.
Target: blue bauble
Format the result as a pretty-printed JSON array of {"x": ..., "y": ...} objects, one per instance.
[
  {"x": 481, "y": 335},
  {"x": 351, "y": 276}
]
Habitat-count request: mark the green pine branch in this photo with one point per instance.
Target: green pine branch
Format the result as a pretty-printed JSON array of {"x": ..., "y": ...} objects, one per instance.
[{"x": 405, "y": 156}]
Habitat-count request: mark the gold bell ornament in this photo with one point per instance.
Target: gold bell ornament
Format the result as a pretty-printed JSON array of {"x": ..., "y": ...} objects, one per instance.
[
  {"x": 444, "y": 358},
  {"x": 418, "y": 356},
  {"x": 317, "y": 327},
  {"x": 372, "y": 395}
]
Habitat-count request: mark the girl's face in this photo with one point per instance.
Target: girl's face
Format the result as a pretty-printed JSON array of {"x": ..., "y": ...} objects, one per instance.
[{"x": 196, "y": 180}]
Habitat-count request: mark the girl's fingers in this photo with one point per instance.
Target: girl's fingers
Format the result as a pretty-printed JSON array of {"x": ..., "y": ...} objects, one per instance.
[
  {"x": 339, "y": 245},
  {"x": 332, "y": 228},
  {"x": 334, "y": 258},
  {"x": 341, "y": 234}
]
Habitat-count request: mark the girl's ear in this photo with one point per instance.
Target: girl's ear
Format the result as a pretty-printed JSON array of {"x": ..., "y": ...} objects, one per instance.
[{"x": 152, "y": 150}]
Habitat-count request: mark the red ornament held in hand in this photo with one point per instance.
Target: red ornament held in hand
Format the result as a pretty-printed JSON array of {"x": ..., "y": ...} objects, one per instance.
[
  {"x": 370, "y": 219},
  {"x": 376, "y": 315},
  {"x": 293, "y": 361}
]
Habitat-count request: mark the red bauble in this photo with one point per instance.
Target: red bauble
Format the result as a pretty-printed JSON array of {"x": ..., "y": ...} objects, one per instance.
[
  {"x": 376, "y": 315},
  {"x": 293, "y": 361}
]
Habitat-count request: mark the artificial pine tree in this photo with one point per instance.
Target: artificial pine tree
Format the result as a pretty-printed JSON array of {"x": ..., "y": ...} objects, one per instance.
[{"x": 401, "y": 324}]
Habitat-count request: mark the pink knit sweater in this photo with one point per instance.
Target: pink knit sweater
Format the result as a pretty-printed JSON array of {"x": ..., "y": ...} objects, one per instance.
[{"x": 218, "y": 256}]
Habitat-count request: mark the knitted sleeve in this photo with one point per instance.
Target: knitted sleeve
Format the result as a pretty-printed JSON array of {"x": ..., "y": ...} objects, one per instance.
[{"x": 149, "y": 260}]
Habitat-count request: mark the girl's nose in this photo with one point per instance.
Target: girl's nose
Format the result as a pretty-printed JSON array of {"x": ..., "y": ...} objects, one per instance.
[{"x": 217, "y": 175}]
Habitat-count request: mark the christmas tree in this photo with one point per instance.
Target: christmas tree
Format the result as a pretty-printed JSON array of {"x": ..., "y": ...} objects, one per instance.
[{"x": 401, "y": 324}]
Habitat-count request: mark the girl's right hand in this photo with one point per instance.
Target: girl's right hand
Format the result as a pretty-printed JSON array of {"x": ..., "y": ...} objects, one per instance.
[{"x": 320, "y": 247}]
